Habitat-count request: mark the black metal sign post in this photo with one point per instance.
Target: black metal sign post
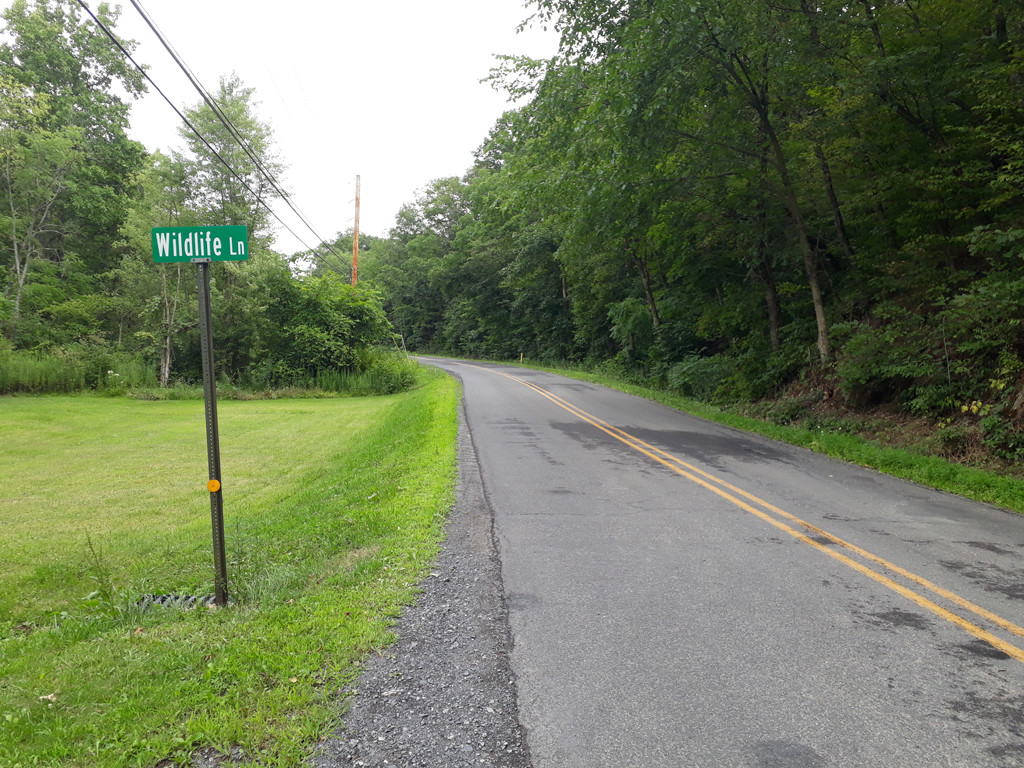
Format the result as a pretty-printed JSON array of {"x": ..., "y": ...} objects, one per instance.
[
  {"x": 212, "y": 434},
  {"x": 200, "y": 246}
]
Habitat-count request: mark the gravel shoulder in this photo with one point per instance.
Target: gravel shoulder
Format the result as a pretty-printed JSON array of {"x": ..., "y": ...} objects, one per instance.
[{"x": 444, "y": 695}]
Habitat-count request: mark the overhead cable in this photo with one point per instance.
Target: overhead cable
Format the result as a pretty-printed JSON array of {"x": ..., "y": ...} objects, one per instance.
[
  {"x": 211, "y": 102},
  {"x": 191, "y": 127}
]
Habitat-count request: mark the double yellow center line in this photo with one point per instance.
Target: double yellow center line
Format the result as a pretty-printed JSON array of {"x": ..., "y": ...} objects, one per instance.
[{"x": 873, "y": 567}]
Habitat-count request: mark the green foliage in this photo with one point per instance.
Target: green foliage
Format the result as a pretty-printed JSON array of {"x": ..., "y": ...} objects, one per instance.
[
  {"x": 892, "y": 361},
  {"x": 219, "y": 195},
  {"x": 29, "y": 372},
  {"x": 1003, "y": 437},
  {"x": 631, "y": 325},
  {"x": 725, "y": 197},
  {"x": 703, "y": 378},
  {"x": 734, "y": 195},
  {"x": 66, "y": 164},
  {"x": 328, "y": 323}
]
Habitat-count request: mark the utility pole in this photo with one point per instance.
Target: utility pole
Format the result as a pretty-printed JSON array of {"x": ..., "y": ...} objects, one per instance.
[{"x": 355, "y": 240}]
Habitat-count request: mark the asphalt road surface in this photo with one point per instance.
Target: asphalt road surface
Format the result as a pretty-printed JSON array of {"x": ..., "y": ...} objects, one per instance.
[{"x": 683, "y": 594}]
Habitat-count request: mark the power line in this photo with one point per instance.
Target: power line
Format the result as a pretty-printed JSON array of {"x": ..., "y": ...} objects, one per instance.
[
  {"x": 226, "y": 122},
  {"x": 233, "y": 131}
]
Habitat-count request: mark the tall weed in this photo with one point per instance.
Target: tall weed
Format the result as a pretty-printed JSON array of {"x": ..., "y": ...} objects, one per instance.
[
  {"x": 62, "y": 370},
  {"x": 382, "y": 373},
  {"x": 33, "y": 373}
]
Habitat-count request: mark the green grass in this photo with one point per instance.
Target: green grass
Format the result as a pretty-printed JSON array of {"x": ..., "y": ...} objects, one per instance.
[
  {"x": 333, "y": 508},
  {"x": 931, "y": 471}
]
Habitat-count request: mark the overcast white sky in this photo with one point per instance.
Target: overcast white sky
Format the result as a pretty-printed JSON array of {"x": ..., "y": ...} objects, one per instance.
[{"x": 386, "y": 89}]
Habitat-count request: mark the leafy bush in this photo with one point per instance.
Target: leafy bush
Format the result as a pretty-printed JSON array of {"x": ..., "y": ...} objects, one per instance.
[
  {"x": 891, "y": 362},
  {"x": 619, "y": 369},
  {"x": 954, "y": 438},
  {"x": 631, "y": 325},
  {"x": 785, "y": 412},
  {"x": 329, "y": 324},
  {"x": 382, "y": 373},
  {"x": 703, "y": 378},
  {"x": 1002, "y": 437}
]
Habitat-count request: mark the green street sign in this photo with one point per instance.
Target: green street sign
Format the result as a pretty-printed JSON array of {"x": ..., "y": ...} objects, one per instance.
[{"x": 173, "y": 244}]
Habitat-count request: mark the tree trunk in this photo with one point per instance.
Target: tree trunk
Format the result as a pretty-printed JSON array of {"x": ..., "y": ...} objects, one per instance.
[
  {"x": 810, "y": 12},
  {"x": 833, "y": 201},
  {"x": 764, "y": 261},
  {"x": 876, "y": 33},
  {"x": 645, "y": 278},
  {"x": 170, "y": 311},
  {"x": 771, "y": 294},
  {"x": 771, "y": 299},
  {"x": 165, "y": 346},
  {"x": 810, "y": 256},
  {"x": 789, "y": 199},
  {"x": 20, "y": 269},
  {"x": 757, "y": 95},
  {"x": 811, "y": 268},
  {"x": 1002, "y": 31}
]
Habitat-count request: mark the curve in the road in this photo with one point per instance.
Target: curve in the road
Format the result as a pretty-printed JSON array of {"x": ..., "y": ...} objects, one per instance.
[{"x": 731, "y": 493}]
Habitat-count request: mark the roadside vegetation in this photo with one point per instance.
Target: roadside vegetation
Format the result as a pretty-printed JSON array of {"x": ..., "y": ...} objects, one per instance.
[
  {"x": 83, "y": 306},
  {"x": 333, "y": 500},
  {"x": 333, "y": 509},
  {"x": 377, "y": 372}
]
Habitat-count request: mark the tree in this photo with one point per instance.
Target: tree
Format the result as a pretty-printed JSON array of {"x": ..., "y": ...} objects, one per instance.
[
  {"x": 408, "y": 266},
  {"x": 245, "y": 295},
  {"x": 54, "y": 50},
  {"x": 236, "y": 193},
  {"x": 703, "y": 73},
  {"x": 73, "y": 151},
  {"x": 329, "y": 323},
  {"x": 36, "y": 170},
  {"x": 157, "y": 291}
]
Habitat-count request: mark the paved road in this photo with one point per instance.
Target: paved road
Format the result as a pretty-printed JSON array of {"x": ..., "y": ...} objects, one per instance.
[{"x": 684, "y": 594}]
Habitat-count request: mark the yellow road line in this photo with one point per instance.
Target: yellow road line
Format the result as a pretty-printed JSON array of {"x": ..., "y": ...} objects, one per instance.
[{"x": 705, "y": 480}]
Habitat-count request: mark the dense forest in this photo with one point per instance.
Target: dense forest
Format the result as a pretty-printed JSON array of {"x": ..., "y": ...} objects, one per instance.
[
  {"x": 724, "y": 197},
  {"x": 718, "y": 197}
]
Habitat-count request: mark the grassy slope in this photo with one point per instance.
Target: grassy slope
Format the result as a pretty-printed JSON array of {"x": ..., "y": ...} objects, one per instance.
[{"x": 333, "y": 508}]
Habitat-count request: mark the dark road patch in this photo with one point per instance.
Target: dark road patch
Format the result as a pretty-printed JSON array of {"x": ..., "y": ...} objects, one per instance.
[
  {"x": 899, "y": 618},
  {"x": 992, "y": 578},
  {"x": 989, "y": 547},
  {"x": 786, "y": 754},
  {"x": 981, "y": 648},
  {"x": 712, "y": 448}
]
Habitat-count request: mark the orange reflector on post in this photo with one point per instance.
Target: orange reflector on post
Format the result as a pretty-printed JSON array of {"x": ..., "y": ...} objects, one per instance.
[{"x": 213, "y": 486}]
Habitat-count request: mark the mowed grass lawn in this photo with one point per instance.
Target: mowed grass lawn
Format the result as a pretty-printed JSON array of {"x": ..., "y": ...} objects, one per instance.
[{"x": 333, "y": 509}]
